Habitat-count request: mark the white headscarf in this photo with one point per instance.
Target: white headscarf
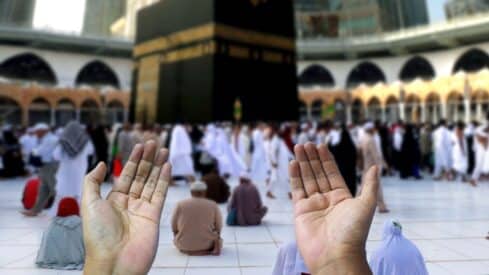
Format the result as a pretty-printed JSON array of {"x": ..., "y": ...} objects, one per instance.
[
  {"x": 180, "y": 143},
  {"x": 396, "y": 255}
]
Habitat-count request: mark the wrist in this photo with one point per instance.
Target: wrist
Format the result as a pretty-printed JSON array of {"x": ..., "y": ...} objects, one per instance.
[
  {"x": 347, "y": 264},
  {"x": 102, "y": 267}
]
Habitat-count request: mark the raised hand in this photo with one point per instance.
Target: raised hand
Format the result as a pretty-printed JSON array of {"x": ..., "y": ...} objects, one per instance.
[
  {"x": 331, "y": 226},
  {"x": 121, "y": 232}
]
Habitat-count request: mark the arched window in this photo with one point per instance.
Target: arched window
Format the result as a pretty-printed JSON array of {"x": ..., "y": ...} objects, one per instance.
[
  {"x": 90, "y": 112},
  {"x": 472, "y": 61},
  {"x": 374, "y": 109},
  {"x": 316, "y": 75},
  {"x": 413, "y": 109},
  {"x": 340, "y": 111},
  {"x": 317, "y": 108},
  {"x": 39, "y": 111},
  {"x": 365, "y": 73},
  {"x": 392, "y": 109},
  {"x": 28, "y": 67},
  {"x": 357, "y": 111},
  {"x": 417, "y": 67},
  {"x": 115, "y": 112},
  {"x": 65, "y": 112},
  {"x": 433, "y": 108},
  {"x": 456, "y": 108},
  {"x": 302, "y": 110},
  {"x": 97, "y": 74},
  {"x": 10, "y": 112}
]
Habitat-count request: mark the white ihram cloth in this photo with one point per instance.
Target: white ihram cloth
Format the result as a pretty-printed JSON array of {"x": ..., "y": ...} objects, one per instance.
[
  {"x": 442, "y": 142},
  {"x": 210, "y": 141},
  {"x": 260, "y": 165},
  {"x": 289, "y": 261},
  {"x": 241, "y": 143},
  {"x": 396, "y": 255},
  {"x": 70, "y": 174},
  {"x": 228, "y": 159},
  {"x": 181, "y": 152},
  {"x": 459, "y": 154},
  {"x": 279, "y": 156},
  {"x": 481, "y": 155}
]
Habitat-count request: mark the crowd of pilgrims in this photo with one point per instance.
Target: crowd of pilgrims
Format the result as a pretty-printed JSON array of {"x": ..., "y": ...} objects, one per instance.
[{"x": 207, "y": 157}]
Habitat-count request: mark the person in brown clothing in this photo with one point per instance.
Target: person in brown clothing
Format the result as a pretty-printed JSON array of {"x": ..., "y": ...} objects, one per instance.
[
  {"x": 247, "y": 203},
  {"x": 217, "y": 188},
  {"x": 197, "y": 224},
  {"x": 372, "y": 156}
]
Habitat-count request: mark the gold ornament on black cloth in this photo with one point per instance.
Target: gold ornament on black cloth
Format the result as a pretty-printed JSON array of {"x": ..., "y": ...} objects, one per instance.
[{"x": 257, "y": 2}]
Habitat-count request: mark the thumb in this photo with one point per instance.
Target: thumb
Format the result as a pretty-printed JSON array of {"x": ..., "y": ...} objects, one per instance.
[
  {"x": 91, "y": 186},
  {"x": 370, "y": 183}
]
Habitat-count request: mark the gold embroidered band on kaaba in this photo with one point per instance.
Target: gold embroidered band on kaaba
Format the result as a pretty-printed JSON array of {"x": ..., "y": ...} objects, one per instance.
[{"x": 213, "y": 30}]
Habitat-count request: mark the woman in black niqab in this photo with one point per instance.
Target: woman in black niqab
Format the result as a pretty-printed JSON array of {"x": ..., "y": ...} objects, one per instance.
[{"x": 345, "y": 154}]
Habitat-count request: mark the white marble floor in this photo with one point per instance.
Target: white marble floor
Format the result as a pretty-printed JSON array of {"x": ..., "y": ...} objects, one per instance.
[{"x": 447, "y": 221}]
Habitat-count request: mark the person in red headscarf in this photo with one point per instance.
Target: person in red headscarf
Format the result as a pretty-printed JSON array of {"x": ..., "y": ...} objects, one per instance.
[{"x": 62, "y": 243}]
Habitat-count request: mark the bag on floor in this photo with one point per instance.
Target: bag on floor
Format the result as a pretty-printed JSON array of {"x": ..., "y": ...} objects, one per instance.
[
  {"x": 29, "y": 196},
  {"x": 232, "y": 218}
]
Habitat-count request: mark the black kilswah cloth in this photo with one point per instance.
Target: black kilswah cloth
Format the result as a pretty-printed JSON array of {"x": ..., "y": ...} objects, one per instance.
[{"x": 73, "y": 139}]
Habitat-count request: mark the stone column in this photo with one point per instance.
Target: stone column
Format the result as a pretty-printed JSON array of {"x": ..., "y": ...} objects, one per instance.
[
  {"x": 25, "y": 116},
  {"x": 468, "y": 115},
  {"x": 309, "y": 112},
  {"x": 443, "y": 109},
  {"x": 53, "y": 117},
  {"x": 78, "y": 115},
  {"x": 402, "y": 111},
  {"x": 383, "y": 114},
  {"x": 349, "y": 119},
  {"x": 423, "y": 111},
  {"x": 479, "y": 110}
]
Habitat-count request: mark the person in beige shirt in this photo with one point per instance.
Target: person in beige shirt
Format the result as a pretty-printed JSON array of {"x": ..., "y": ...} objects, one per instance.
[
  {"x": 197, "y": 224},
  {"x": 372, "y": 155}
]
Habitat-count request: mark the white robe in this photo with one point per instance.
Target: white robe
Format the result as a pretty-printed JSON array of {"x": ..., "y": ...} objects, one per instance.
[
  {"x": 70, "y": 174},
  {"x": 241, "y": 144},
  {"x": 27, "y": 143},
  {"x": 442, "y": 143},
  {"x": 289, "y": 261},
  {"x": 279, "y": 156},
  {"x": 481, "y": 160},
  {"x": 260, "y": 165},
  {"x": 228, "y": 159},
  {"x": 181, "y": 152},
  {"x": 459, "y": 155}
]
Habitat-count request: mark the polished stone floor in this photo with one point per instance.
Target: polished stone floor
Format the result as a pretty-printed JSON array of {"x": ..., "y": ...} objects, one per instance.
[{"x": 447, "y": 221}]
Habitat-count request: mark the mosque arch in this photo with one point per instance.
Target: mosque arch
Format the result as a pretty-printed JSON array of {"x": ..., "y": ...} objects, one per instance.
[
  {"x": 114, "y": 112},
  {"x": 316, "y": 109},
  {"x": 90, "y": 112},
  {"x": 374, "y": 109},
  {"x": 417, "y": 67},
  {"x": 97, "y": 73},
  {"x": 392, "y": 109},
  {"x": 472, "y": 60},
  {"x": 413, "y": 109},
  {"x": 28, "y": 67},
  {"x": 39, "y": 111},
  {"x": 316, "y": 75},
  {"x": 433, "y": 108},
  {"x": 365, "y": 73},
  {"x": 456, "y": 107},
  {"x": 357, "y": 111},
  {"x": 303, "y": 114},
  {"x": 10, "y": 111},
  {"x": 65, "y": 112}
]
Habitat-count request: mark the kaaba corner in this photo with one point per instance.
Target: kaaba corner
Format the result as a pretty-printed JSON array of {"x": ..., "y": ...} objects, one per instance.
[{"x": 196, "y": 61}]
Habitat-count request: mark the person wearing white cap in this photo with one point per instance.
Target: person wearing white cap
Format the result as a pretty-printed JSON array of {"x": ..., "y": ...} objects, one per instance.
[
  {"x": 372, "y": 156},
  {"x": 197, "y": 224},
  {"x": 481, "y": 148},
  {"x": 43, "y": 157},
  {"x": 246, "y": 205}
]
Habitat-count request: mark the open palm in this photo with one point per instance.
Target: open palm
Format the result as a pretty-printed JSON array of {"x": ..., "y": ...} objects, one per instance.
[
  {"x": 330, "y": 224},
  {"x": 122, "y": 231}
]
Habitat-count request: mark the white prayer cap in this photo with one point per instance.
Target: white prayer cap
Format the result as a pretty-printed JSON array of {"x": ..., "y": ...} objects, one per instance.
[
  {"x": 245, "y": 175},
  {"x": 368, "y": 126},
  {"x": 198, "y": 186},
  {"x": 41, "y": 127}
]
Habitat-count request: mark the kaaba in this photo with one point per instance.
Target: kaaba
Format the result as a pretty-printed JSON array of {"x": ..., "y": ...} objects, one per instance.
[{"x": 215, "y": 60}]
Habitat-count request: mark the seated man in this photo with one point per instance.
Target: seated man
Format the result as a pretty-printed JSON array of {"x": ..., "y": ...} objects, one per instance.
[
  {"x": 217, "y": 188},
  {"x": 246, "y": 203},
  {"x": 396, "y": 255},
  {"x": 62, "y": 243},
  {"x": 197, "y": 224}
]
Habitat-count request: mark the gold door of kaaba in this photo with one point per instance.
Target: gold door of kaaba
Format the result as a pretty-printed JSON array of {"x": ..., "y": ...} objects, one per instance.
[{"x": 147, "y": 89}]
